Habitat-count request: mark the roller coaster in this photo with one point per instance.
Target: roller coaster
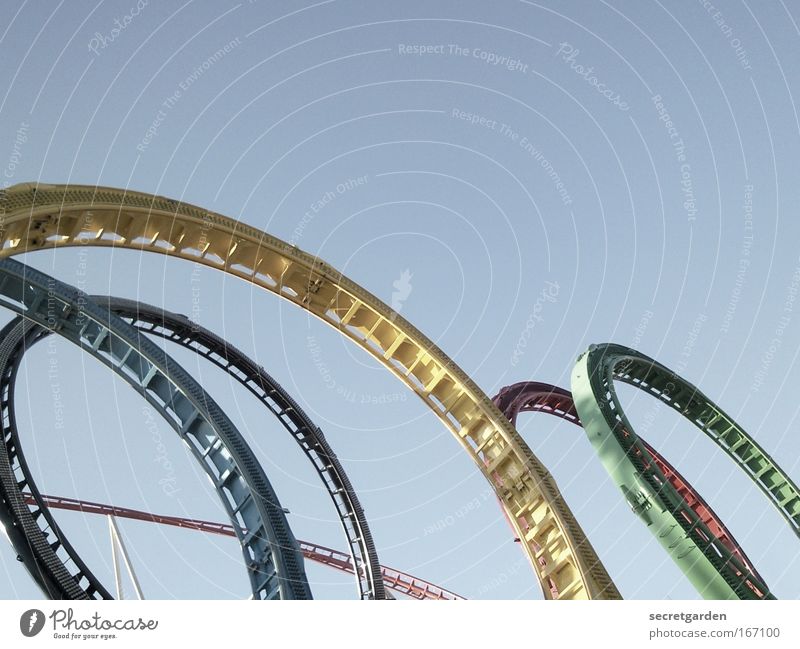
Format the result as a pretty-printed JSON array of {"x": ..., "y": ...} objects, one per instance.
[{"x": 119, "y": 332}]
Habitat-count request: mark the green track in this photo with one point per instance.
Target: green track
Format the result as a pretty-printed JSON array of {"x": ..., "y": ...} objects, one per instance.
[{"x": 708, "y": 564}]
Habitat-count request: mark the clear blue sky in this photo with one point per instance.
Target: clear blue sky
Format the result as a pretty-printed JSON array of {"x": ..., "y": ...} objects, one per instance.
[{"x": 639, "y": 156}]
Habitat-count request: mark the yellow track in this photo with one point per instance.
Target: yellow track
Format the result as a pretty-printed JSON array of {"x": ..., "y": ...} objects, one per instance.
[{"x": 35, "y": 217}]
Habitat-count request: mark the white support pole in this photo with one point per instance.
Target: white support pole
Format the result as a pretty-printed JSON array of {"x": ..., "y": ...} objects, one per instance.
[{"x": 118, "y": 550}]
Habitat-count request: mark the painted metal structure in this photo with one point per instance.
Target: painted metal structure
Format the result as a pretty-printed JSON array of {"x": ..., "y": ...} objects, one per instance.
[
  {"x": 272, "y": 556},
  {"x": 38, "y": 217}
]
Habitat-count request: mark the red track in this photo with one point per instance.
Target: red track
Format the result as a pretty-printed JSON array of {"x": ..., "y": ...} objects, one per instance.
[{"x": 398, "y": 581}]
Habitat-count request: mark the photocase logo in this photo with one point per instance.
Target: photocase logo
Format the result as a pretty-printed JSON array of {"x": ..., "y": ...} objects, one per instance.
[
  {"x": 31, "y": 622},
  {"x": 403, "y": 289}
]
